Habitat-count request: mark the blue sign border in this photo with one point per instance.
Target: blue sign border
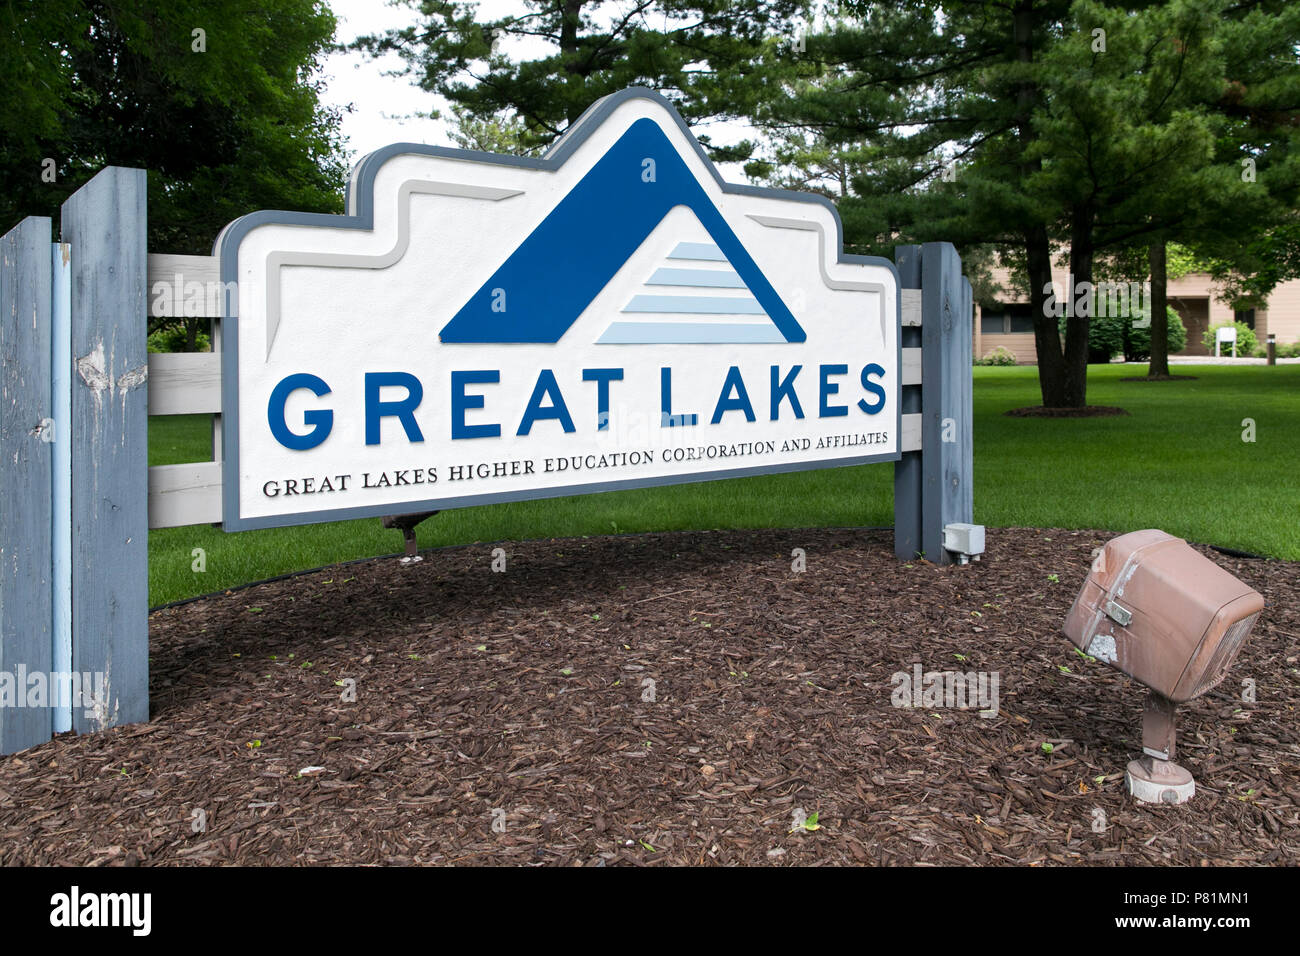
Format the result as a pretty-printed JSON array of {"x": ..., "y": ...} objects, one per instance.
[{"x": 360, "y": 215}]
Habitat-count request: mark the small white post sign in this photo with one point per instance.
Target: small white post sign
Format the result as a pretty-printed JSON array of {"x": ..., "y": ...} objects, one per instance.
[{"x": 489, "y": 328}]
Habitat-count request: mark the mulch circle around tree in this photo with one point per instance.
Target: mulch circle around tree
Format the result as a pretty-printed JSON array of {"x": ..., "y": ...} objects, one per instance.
[
  {"x": 1089, "y": 411},
  {"x": 680, "y": 698}
]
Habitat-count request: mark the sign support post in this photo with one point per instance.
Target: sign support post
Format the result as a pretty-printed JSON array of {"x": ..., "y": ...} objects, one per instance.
[{"x": 933, "y": 487}]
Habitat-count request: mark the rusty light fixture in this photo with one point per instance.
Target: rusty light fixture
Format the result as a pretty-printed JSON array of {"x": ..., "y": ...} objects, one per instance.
[{"x": 1171, "y": 619}]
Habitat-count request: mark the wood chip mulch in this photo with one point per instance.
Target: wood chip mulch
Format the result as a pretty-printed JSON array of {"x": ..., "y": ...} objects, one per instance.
[{"x": 680, "y": 698}]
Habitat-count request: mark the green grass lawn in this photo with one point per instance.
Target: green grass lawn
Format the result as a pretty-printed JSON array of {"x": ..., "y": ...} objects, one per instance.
[{"x": 1177, "y": 462}]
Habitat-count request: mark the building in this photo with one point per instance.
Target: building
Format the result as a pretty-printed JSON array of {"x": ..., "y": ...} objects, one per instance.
[{"x": 1009, "y": 324}]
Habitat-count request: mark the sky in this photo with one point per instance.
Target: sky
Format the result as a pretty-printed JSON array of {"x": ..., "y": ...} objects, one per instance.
[{"x": 384, "y": 107}]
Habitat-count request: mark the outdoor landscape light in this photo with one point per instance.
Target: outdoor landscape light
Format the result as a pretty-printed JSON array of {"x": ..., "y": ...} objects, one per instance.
[
  {"x": 964, "y": 540},
  {"x": 1172, "y": 619}
]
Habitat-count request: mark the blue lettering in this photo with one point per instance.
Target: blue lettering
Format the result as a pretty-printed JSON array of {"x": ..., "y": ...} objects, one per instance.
[
  {"x": 734, "y": 383},
  {"x": 320, "y": 419},
  {"x": 784, "y": 388},
  {"x": 670, "y": 420},
  {"x": 874, "y": 388},
  {"x": 546, "y": 386},
  {"x": 602, "y": 377},
  {"x": 404, "y": 409},
  {"x": 460, "y": 403},
  {"x": 827, "y": 390}
]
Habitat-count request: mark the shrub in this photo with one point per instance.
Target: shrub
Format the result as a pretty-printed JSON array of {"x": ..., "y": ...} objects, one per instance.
[
  {"x": 1105, "y": 339},
  {"x": 1288, "y": 351},
  {"x": 172, "y": 339},
  {"x": 1246, "y": 341},
  {"x": 1115, "y": 335},
  {"x": 999, "y": 356},
  {"x": 1137, "y": 340}
]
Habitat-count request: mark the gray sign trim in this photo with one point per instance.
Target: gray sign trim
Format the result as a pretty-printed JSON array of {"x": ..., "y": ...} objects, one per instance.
[{"x": 360, "y": 215}]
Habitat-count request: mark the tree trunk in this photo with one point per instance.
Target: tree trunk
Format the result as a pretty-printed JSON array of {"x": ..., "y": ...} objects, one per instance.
[
  {"x": 1159, "y": 300},
  {"x": 1047, "y": 335},
  {"x": 1038, "y": 248},
  {"x": 1075, "y": 379}
]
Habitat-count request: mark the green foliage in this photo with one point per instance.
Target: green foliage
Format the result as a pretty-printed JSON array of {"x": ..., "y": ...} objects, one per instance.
[
  {"x": 702, "y": 54},
  {"x": 223, "y": 130},
  {"x": 1181, "y": 261},
  {"x": 1137, "y": 339},
  {"x": 1283, "y": 350},
  {"x": 504, "y": 134},
  {"x": 809, "y": 823},
  {"x": 1131, "y": 264},
  {"x": 999, "y": 356},
  {"x": 173, "y": 339},
  {"x": 1247, "y": 343},
  {"x": 1109, "y": 336},
  {"x": 1105, "y": 338},
  {"x": 1006, "y": 125},
  {"x": 1248, "y": 270}
]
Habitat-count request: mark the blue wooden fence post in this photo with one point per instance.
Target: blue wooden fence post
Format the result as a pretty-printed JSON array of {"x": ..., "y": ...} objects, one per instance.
[
  {"x": 104, "y": 224},
  {"x": 934, "y": 488},
  {"x": 26, "y": 430},
  {"x": 946, "y": 440},
  {"x": 907, "y": 472}
]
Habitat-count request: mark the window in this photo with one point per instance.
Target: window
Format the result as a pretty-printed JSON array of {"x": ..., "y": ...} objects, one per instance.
[
  {"x": 1245, "y": 315},
  {"x": 1004, "y": 319}
]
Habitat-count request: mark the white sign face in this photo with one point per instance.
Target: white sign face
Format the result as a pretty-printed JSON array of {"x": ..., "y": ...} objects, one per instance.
[{"x": 487, "y": 328}]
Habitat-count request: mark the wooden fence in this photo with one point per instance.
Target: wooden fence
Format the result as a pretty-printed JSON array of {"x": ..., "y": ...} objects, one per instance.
[{"x": 77, "y": 497}]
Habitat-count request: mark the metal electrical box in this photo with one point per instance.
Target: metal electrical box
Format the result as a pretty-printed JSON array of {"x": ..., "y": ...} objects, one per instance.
[{"x": 1163, "y": 613}]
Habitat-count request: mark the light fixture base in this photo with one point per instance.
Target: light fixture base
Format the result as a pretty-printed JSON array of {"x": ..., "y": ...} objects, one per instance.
[{"x": 1151, "y": 780}]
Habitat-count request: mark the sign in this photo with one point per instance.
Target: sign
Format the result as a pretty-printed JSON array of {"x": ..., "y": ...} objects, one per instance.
[{"x": 485, "y": 328}]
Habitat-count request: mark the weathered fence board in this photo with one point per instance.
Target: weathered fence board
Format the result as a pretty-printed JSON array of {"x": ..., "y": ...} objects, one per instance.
[
  {"x": 61, "y": 384},
  {"x": 184, "y": 383},
  {"x": 909, "y": 438},
  {"x": 911, "y": 301},
  {"x": 26, "y": 431},
  {"x": 184, "y": 494},
  {"x": 962, "y": 368},
  {"x": 104, "y": 223},
  {"x": 184, "y": 285},
  {"x": 911, "y": 370}
]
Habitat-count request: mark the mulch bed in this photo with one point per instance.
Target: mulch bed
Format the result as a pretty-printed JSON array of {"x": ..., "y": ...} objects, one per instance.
[
  {"x": 526, "y": 692},
  {"x": 1088, "y": 411}
]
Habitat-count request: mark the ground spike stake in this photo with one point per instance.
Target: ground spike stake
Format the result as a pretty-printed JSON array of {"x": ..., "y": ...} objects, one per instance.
[{"x": 406, "y": 524}]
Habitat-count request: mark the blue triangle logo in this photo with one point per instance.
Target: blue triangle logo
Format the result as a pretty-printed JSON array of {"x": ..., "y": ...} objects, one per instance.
[{"x": 556, "y": 272}]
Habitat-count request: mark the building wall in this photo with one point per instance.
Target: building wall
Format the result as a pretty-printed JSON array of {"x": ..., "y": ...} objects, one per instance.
[
  {"x": 1282, "y": 317},
  {"x": 1019, "y": 344},
  {"x": 1192, "y": 296}
]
